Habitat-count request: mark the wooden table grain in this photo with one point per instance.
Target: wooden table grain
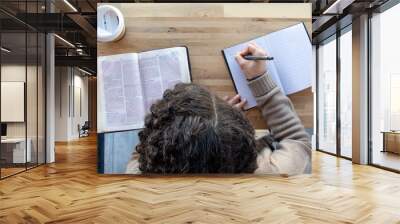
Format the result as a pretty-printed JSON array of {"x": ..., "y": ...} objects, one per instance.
[{"x": 206, "y": 29}]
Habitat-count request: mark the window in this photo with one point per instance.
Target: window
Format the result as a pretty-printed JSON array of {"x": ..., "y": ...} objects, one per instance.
[
  {"x": 385, "y": 89},
  {"x": 327, "y": 96},
  {"x": 22, "y": 77},
  {"x": 333, "y": 137},
  {"x": 346, "y": 93}
]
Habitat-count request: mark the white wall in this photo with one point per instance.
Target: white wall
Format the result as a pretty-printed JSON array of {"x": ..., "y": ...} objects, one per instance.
[
  {"x": 12, "y": 73},
  {"x": 79, "y": 117},
  {"x": 70, "y": 83},
  {"x": 62, "y": 81},
  {"x": 33, "y": 126}
]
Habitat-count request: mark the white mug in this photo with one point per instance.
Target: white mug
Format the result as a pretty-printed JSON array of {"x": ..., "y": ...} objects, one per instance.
[{"x": 110, "y": 24}]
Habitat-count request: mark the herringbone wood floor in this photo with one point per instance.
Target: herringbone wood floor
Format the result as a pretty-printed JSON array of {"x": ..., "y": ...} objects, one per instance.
[{"x": 70, "y": 191}]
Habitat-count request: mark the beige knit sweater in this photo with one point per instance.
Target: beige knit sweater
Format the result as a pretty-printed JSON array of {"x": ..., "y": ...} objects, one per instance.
[{"x": 286, "y": 148}]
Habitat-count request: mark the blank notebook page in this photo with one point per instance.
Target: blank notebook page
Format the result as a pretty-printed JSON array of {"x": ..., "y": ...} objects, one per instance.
[
  {"x": 292, "y": 52},
  {"x": 237, "y": 75}
]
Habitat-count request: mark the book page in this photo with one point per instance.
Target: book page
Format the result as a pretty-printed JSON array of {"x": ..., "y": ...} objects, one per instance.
[
  {"x": 120, "y": 93},
  {"x": 161, "y": 70},
  {"x": 292, "y": 52}
]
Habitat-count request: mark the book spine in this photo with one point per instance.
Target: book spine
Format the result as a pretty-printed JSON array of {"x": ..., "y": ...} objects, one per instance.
[{"x": 100, "y": 153}]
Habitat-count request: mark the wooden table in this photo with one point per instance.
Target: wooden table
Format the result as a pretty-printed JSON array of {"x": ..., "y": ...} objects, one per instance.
[{"x": 206, "y": 29}]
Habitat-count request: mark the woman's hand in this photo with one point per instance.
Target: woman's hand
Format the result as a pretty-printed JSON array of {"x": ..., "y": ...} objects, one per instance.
[
  {"x": 252, "y": 68},
  {"x": 236, "y": 101}
]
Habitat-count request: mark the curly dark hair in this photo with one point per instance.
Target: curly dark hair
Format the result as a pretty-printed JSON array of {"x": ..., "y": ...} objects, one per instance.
[{"x": 191, "y": 130}]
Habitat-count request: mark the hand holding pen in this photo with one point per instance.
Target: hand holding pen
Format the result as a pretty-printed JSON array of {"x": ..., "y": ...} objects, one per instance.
[{"x": 255, "y": 64}]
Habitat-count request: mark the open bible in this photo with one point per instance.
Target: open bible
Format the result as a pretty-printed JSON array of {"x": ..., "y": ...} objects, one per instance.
[
  {"x": 128, "y": 84},
  {"x": 292, "y": 65}
]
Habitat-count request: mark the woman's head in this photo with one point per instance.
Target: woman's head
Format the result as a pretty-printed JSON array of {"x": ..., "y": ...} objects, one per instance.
[{"x": 190, "y": 130}]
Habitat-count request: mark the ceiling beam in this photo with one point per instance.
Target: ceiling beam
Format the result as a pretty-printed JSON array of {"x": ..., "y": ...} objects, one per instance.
[
  {"x": 78, "y": 61},
  {"x": 84, "y": 24},
  {"x": 337, "y": 7}
]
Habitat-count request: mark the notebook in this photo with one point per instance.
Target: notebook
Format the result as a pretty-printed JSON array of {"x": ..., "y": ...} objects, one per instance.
[
  {"x": 291, "y": 68},
  {"x": 128, "y": 84},
  {"x": 115, "y": 150}
]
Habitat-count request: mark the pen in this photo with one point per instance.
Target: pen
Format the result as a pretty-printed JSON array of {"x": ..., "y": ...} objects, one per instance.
[{"x": 258, "y": 58}]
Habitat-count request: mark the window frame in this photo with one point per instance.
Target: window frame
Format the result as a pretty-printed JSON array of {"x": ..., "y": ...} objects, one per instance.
[
  {"x": 27, "y": 29},
  {"x": 334, "y": 37},
  {"x": 381, "y": 9}
]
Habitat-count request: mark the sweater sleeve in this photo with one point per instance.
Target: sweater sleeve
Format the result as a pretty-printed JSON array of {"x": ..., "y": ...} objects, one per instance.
[
  {"x": 293, "y": 145},
  {"x": 133, "y": 165}
]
